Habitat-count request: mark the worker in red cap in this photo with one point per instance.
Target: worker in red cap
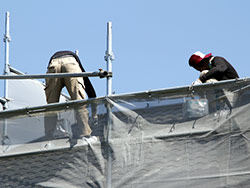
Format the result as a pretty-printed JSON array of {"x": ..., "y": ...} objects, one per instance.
[{"x": 218, "y": 67}]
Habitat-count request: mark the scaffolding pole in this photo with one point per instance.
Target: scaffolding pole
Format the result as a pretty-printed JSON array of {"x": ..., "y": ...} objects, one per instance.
[
  {"x": 109, "y": 57},
  {"x": 6, "y": 39},
  {"x": 7, "y": 64},
  {"x": 100, "y": 74}
]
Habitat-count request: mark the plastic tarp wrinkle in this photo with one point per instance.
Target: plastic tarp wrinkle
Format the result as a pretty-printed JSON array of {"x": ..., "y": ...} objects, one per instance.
[{"x": 181, "y": 137}]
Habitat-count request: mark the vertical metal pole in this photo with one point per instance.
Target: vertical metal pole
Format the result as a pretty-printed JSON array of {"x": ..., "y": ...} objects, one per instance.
[
  {"x": 7, "y": 65},
  {"x": 109, "y": 57},
  {"x": 6, "y": 71}
]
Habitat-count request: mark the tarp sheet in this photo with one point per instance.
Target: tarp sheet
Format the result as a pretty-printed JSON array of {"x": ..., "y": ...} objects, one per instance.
[
  {"x": 25, "y": 93},
  {"x": 194, "y": 136}
]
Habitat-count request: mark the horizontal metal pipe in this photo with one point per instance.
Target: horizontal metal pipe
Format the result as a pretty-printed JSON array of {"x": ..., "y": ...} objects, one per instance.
[
  {"x": 58, "y": 75},
  {"x": 48, "y": 107},
  {"x": 138, "y": 95},
  {"x": 185, "y": 88}
]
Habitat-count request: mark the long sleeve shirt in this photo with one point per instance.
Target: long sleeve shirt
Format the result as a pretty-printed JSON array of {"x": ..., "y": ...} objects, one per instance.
[{"x": 220, "y": 69}]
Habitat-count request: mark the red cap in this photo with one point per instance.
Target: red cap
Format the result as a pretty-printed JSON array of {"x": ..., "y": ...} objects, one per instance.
[{"x": 196, "y": 58}]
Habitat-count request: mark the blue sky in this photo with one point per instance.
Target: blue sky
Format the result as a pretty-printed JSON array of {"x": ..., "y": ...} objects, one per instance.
[{"x": 152, "y": 40}]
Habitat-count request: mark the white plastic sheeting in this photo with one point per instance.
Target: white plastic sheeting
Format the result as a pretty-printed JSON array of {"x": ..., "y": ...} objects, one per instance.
[
  {"x": 26, "y": 93},
  {"x": 181, "y": 137}
]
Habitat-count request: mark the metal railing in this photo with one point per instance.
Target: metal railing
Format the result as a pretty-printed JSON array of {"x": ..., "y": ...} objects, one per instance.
[{"x": 100, "y": 74}]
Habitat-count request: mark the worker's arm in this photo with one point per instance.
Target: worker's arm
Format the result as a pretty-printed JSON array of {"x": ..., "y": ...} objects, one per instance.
[{"x": 219, "y": 67}]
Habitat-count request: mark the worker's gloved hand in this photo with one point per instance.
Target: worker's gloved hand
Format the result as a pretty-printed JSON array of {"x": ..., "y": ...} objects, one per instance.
[
  {"x": 202, "y": 79},
  {"x": 202, "y": 76}
]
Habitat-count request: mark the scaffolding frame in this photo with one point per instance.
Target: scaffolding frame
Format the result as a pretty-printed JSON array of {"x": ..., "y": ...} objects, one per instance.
[{"x": 109, "y": 57}]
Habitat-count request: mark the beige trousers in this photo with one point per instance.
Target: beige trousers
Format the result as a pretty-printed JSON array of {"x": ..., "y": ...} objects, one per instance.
[{"x": 75, "y": 87}]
